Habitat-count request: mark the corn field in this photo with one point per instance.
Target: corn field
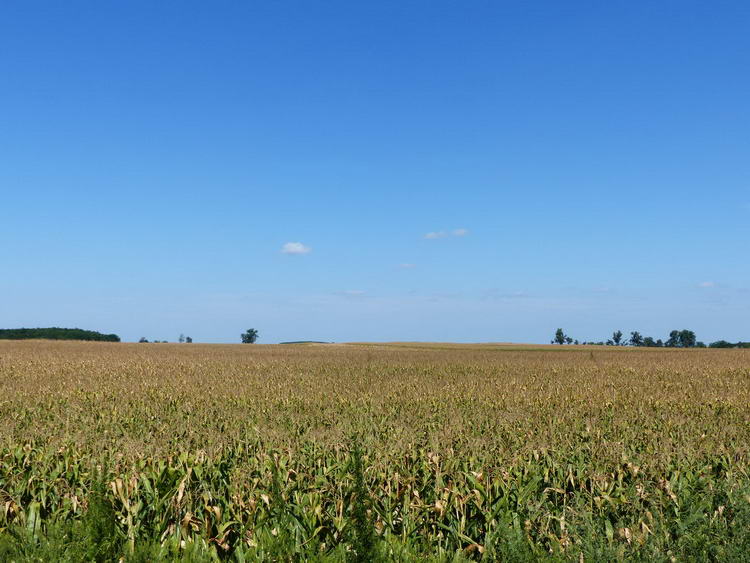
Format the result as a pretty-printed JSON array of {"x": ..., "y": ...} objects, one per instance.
[{"x": 143, "y": 452}]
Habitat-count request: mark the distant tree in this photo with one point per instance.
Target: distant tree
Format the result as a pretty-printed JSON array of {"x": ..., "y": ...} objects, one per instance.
[
  {"x": 250, "y": 336},
  {"x": 649, "y": 342},
  {"x": 617, "y": 337},
  {"x": 568, "y": 340},
  {"x": 721, "y": 344},
  {"x": 659, "y": 343},
  {"x": 57, "y": 333},
  {"x": 636, "y": 339},
  {"x": 674, "y": 339},
  {"x": 188, "y": 340},
  {"x": 576, "y": 342},
  {"x": 181, "y": 339},
  {"x": 143, "y": 339},
  {"x": 681, "y": 339},
  {"x": 687, "y": 339},
  {"x": 700, "y": 344},
  {"x": 559, "y": 337}
]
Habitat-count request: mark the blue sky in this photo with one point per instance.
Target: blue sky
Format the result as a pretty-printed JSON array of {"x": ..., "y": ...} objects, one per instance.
[{"x": 583, "y": 165}]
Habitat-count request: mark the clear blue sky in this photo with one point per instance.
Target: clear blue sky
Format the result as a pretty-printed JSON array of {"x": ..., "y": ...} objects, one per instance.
[{"x": 583, "y": 165}]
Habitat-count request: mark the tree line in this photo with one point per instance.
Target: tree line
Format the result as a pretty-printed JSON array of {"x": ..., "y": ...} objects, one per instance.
[
  {"x": 247, "y": 337},
  {"x": 56, "y": 333},
  {"x": 182, "y": 340},
  {"x": 677, "y": 339}
]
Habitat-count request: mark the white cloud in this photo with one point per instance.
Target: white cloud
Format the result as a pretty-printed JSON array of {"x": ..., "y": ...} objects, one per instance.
[
  {"x": 707, "y": 284},
  {"x": 443, "y": 234},
  {"x": 295, "y": 248}
]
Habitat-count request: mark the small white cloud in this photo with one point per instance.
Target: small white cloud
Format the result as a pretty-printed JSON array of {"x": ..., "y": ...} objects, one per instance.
[
  {"x": 707, "y": 284},
  {"x": 406, "y": 265},
  {"x": 295, "y": 248},
  {"x": 443, "y": 234}
]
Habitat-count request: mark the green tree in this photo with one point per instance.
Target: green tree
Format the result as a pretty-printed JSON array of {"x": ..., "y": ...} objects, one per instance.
[
  {"x": 681, "y": 339},
  {"x": 559, "y": 337},
  {"x": 617, "y": 337},
  {"x": 57, "y": 333},
  {"x": 674, "y": 339},
  {"x": 687, "y": 339},
  {"x": 636, "y": 339},
  {"x": 249, "y": 336}
]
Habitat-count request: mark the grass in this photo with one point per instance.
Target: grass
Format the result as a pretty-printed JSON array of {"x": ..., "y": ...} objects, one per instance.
[{"x": 403, "y": 452}]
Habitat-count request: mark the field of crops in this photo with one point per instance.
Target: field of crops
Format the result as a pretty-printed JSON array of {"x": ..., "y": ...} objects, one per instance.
[{"x": 370, "y": 452}]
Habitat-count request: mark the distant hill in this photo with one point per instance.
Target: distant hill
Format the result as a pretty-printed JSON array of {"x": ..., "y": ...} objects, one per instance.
[{"x": 55, "y": 333}]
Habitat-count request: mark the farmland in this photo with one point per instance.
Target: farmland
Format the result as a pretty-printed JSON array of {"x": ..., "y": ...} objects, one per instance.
[{"x": 372, "y": 452}]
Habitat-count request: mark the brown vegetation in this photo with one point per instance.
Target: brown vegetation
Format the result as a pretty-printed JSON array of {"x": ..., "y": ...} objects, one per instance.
[{"x": 558, "y": 443}]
